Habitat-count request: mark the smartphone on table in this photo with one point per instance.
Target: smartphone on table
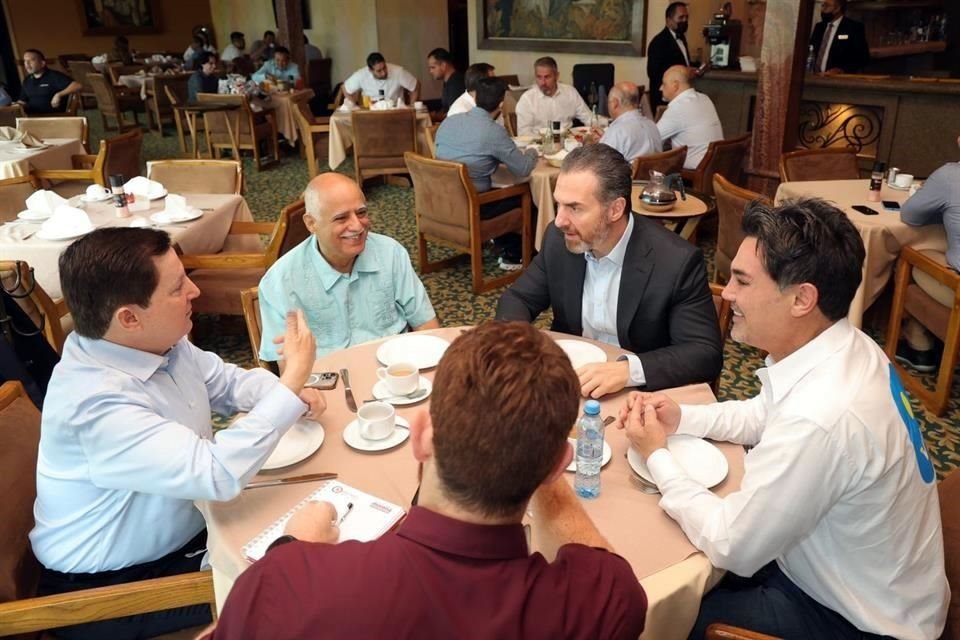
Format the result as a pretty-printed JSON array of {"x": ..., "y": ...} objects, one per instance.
[
  {"x": 865, "y": 210},
  {"x": 891, "y": 205},
  {"x": 324, "y": 381}
]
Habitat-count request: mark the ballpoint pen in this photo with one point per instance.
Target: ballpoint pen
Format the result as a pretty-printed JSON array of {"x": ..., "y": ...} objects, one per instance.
[{"x": 345, "y": 514}]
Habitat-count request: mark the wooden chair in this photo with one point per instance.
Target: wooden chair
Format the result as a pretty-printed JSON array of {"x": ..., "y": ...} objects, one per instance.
[
  {"x": 320, "y": 77},
  {"x": 51, "y": 317},
  {"x": 117, "y": 69},
  {"x": 9, "y": 115},
  {"x": 666, "y": 162},
  {"x": 948, "y": 490},
  {"x": 724, "y": 157},
  {"x": 22, "y": 611},
  {"x": 819, "y": 164},
  {"x": 338, "y": 97},
  {"x": 311, "y": 129},
  {"x": 64, "y": 127},
  {"x": 198, "y": 176},
  {"x": 447, "y": 208},
  {"x": 432, "y": 139},
  {"x": 222, "y": 276},
  {"x": 253, "y": 129},
  {"x": 724, "y": 317},
  {"x": 79, "y": 70},
  {"x": 250, "y": 301},
  {"x": 179, "y": 117},
  {"x": 119, "y": 154},
  {"x": 242, "y": 65},
  {"x": 158, "y": 103},
  {"x": 113, "y": 104},
  {"x": 380, "y": 141},
  {"x": 510, "y": 80},
  {"x": 943, "y": 321},
  {"x": 718, "y": 631},
  {"x": 731, "y": 203},
  {"x": 14, "y": 193}
]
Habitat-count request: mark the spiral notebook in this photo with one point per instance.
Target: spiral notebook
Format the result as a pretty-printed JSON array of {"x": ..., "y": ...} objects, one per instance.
[{"x": 369, "y": 518}]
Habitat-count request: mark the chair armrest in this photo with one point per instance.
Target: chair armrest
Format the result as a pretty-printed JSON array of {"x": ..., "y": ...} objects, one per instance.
[
  {"x": 65, "y": 174},
  {"x": 225, "y": 261},
  {"x": 85, "y": 161},
  {"x": 689, "y": 175},
  {"x": 60, "y": 307},
  {"x": 718, "y": 631},
  {"x": 245, "y": 227},
  {"x": 106, "y": 603},
  {"x": 494, "y": 195},
  {"x": 941, "y": 273}
]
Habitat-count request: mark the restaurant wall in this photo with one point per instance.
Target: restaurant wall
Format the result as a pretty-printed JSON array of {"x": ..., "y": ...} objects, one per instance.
[
  {"x": 407, "y": 31},
  {"x": 56, "y": 27}
]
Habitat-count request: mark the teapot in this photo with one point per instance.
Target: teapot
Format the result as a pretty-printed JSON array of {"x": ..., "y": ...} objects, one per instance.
[{"x": 659, "y": 196}]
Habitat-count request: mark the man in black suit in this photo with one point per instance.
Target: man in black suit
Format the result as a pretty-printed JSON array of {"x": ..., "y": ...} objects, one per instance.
[
  {"x": 839, "y": 43},
  {"x": 617, "y": 277},
  {"x": 668, "y": 48}
]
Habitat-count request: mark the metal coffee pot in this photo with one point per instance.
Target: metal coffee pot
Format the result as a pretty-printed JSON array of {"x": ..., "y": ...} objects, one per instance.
[{"x": 659, "y": 196}]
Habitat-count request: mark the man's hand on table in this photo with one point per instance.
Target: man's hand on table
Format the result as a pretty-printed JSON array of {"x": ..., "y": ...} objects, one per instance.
[
  {"x": 314, "y": 522},
  {"x": 315, "y": 400},
  {"x": 601, "y": 378},
  {"x": 299, "y": 350},
  {"x": 648, "y": 419}
]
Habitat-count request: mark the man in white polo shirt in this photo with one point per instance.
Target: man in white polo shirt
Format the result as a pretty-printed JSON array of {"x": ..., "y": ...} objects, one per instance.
[
  {"x": 377, "y": 76},
  {"x": 550, "y": 100},
  {"x": 690, "y": 118}
]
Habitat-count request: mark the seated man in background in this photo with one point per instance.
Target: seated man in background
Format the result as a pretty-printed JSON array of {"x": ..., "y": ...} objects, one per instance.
[
  {"x": 468, "y": 99},
  {"x": 631, "y": 133},
  {"x": 236, "y": 47},
  {"x": 441, "y": 67},
  {"x": 550, "y": 100},
  {"x": 618, "y": 277},
  {"x": 126, "y": 444},
  {"x": 197, "y": 46},
  {"x": 459, "y": 564},
  {"x": 44, "y": 90},
  {"x": 937, "y": 202},
  {"x": 837, "y": 518},
  {"x": 279, "y": 68},
  {"x": 204, "y": 79},
  {"x": 311, "y": 52},
  {"x": 474, "y": 139},
  {"x": 262, "y": 50},
  {"x": 394, "y": 81},
  {"x": 352, "y": 285},
  {"x": 690, "y": 118}
]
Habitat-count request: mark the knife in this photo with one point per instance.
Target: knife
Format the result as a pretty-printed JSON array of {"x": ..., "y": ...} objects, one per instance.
[
  {"x": 310, "y": 477},
  {"x": 348, "y": 390}
]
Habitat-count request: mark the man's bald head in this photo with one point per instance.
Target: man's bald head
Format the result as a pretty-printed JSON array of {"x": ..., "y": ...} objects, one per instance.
[
  {"x": 336, "y": 214},
  {"x": 623, "y": 97},
  {"x": 326, "y": 188},
  {"x": 675, "y": 81}
]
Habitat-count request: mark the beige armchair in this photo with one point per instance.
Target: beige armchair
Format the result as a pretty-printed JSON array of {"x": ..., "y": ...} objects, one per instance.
[
  {"x": 120, "y": 154},
  {"x": 666, "y": 162},
  {"x": 731, "y": 202},
  {"x": 819, "y": 164},
  {"x": 113, "y": 103},
  {"x": 10, "y": 115},
  {"x": 198, "y": 176},
  {"x": 158, "y": 101},
  {"x": 380, "y": 140},
  {"x": 14, "y": 193},
  {"x": 447, "y": 208},
  {"x": 58, "y": 127}
]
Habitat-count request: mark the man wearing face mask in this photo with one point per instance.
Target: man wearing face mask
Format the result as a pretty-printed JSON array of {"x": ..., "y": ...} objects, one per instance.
[
  {"x": 667, "y": 49},
  {"x": 839, "y": 43}
]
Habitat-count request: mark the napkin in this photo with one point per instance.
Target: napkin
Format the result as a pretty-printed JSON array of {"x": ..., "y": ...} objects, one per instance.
[
  {"x": 8, "y": 133},
  {"x": 66, "y": 220},
  {"x": 348, "y": 105},
  {"x": 139, "y": 221},
  {"x": 401, "y": 104},
  {"x": 140, "y": 186},
  {"x": 29, "y": 141},
  {"x": 101, "y": 59},
  {"x": 44, "y": 201},
  {"x": 381, "y": 105},
  {"x": 17, "y": 232},
  {"x": 177, "y": 209}
]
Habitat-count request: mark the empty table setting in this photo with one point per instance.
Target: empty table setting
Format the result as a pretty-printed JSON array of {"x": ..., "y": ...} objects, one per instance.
[
  {"x": 371, "y": 453},
  {"x": 18, "y": 158}
]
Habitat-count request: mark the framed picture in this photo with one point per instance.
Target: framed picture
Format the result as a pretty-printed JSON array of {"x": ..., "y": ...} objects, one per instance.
[
  {"x": 119, "y": 17},
  {"x": 612, "y": 27}
]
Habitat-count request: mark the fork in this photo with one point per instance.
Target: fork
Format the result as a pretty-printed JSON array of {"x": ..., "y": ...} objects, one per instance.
[{"x": 642, "y": 483}]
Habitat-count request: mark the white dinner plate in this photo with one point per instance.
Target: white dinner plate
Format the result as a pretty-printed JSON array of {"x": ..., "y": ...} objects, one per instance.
[
  {"x": 86, "y": 198},
  {"x": 351, "y": 435},
  {"x": 20, "y": 149},
  {"x": 161, "y": 217},
  {"x": 46, "y": 234},
  {"x": 897, "y": 187},
  {"x": 702, "y": 460},
  {"x": 380, "y": 392},
  {"x": 607, "y": 454},
  {"x": 581, "y": 353},
  {"x": 158, "y": 194},
  {"x": 423, "y": 351},
  {"x": 522, "y": 141},
  {"x": 297, "y": 444},
  {"x": 27, "y": 214}
]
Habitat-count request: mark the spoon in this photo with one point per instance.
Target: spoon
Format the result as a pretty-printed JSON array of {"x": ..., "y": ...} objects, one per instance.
[{"x": 414, "y": 395}]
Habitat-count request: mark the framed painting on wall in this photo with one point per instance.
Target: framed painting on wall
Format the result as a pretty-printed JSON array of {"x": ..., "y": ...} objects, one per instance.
[
  {"x": 119, "y": 17},
  {"x": 612, "y": 27}
]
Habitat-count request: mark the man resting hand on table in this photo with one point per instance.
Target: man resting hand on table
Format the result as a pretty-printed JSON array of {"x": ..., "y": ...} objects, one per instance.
[
  {"x": 837, "y": 518},
  {"x": 126, "y": 445},
  {"x": 493, "y": 445}
]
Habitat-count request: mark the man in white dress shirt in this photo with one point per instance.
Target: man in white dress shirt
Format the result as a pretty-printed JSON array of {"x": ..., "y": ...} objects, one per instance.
[
  {"x": 631, "y": 133},
  {"x": 549, "y": 101},
  {"x": 837, "y": 518},
  {"x": 377, "y": 76},
  {"x": 690, "y": 118},
  {"x": 126, "y": 444}
]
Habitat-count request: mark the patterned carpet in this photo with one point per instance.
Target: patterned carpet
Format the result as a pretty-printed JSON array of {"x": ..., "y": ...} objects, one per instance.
[{"x": 391, "y": 210}]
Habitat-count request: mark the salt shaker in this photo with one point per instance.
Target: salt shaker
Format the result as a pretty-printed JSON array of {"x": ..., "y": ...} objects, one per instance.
[{"x": 119, "y": 197}]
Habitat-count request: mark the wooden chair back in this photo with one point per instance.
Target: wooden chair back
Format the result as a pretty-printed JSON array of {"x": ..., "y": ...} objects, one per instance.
[
  {"x": 13, "y": 194},
  {"x": 79, "y": 70},
  {"x": 380, "y": 139},
  {"x": 159, "y": 101},
  {"x": 431, "y": 135},
  {"x": 105, "y": 94},
  {"x": 725, "y": 157},
  {"x": 198, "y": 176},
  {"x": 9, "y": 115},
  {"x": 122, "y": 154},
  {"x": 819, "y": 164},
  {"x": 948, "y": 490},
  {"x": 290, "y": 231},
  {"x": 57, "y": 127},
  {"x": 731, "y": 203},
  {"x": 666, "y": 162},
  {"x": 18, "y": 278},
  {"x": 309, "y": 131},
  {"x": 250, "y": 302},
  {"x": 510, "y": 80}
]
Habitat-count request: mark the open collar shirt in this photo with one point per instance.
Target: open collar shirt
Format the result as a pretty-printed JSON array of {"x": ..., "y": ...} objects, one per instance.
[
  {"x": 270, "y": 68},
  {"x": 534, "y": 109},
  {"x": 633, "y": 135}
]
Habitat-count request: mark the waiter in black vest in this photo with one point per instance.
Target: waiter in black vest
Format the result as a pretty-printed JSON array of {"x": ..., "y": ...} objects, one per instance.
[
  {"x": 668, "y": 48},
  {"x": 839, "y": 43}
]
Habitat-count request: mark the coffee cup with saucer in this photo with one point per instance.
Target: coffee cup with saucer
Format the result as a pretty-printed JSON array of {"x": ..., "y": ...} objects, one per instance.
[
  {"x": 400, "y": 378},
  {"x": 377, "y": 428}
]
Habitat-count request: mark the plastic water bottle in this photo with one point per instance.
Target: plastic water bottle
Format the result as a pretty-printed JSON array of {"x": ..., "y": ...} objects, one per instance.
[
  {"x": 589, "y": 451},
  {"x": 811, "y": 60}
]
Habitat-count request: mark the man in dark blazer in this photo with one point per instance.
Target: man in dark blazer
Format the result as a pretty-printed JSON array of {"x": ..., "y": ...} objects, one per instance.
[
  {"x": 846, "y": 42},
  {"x": 617, "y": 277},
  {"x": 666, "y": 50}
]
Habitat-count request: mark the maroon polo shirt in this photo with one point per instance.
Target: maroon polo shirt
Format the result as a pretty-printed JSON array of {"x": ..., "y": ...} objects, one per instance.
[{"x": 435, "y": 577}]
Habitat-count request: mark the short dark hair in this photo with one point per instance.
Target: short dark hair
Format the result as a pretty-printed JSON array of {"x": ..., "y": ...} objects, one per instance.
[
  {"x": 614, "y": 174},
  {"x": 672, "y": 9},
  {"x": 203, "y": 58},
  {"x": 235, "y": 35},
  {"x": 107, "y": 269},
  {"x": 809, "y": 240},
  {"x": 504, "y": 399},
  {"x": 474, "y": 72},
  {"x": 198, "y": 38},
  {"x": 441, "y": 55},
  {"x": 374, "y": 59},
  {"x": 269, "y": 33},
  {"x": 545, "y": 61},
  {"x": 490, "y": 92},
  {"x": 281, "y": 50},
  {"x": 36, "y": 52}
]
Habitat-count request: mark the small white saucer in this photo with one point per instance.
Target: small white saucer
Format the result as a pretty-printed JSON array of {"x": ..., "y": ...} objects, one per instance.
[
  {"x": 351, "y": 435},
  {"x": 380, "y": 392},
  {"x": 897, "y": 187}
]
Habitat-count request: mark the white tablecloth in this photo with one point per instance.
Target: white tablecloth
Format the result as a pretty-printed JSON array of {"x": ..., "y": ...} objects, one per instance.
[{"x": 15, "y": 162}]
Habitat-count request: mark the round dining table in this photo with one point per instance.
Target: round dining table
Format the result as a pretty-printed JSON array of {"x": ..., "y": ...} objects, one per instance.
[{"x": 673, "y": 573}]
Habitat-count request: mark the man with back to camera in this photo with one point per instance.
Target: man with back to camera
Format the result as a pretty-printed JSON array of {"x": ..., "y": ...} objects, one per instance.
[
  {"x": 43, "y": 90},
  {"x": 618, "y": 277},
  {"x": 379, "y": 75},
  {"x": 468, "y": 99},
  {"x": 836, "y": 525},
  {"x": 839, "y": 43},
  {"x": 631, "y": 133},
  {"x": 668, "y": 48},
  {"x": 690, "y": 120},
  {"x": 126, "y": 444},
  {"x": 549, "y": 101},
  {"x": 459, "y": 564}
]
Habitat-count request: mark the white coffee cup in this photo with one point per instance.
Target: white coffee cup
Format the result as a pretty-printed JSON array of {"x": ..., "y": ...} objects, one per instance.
[
  {"x": 904, "y": 180},
  {"x": 377, "y": 420},
  {"x": 400, "y": 378},
  {"x": 570, "y": 144},
  {"x": 96, "y": 192},
  {"x": 418, "y": 105}
]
